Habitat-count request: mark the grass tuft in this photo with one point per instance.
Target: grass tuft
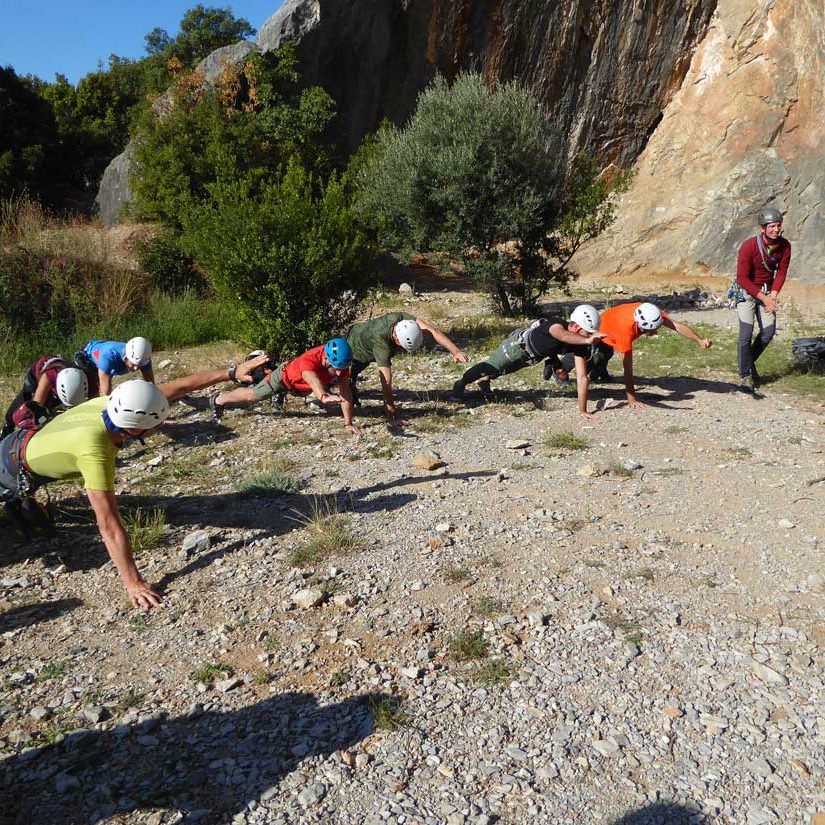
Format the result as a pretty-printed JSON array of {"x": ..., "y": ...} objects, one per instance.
[
  {"x": 209, "y": 672},
  {"x": 387, "y": 712},
  {"x": 271, "y": 483},
  {"x": 144, "y": 528},
  {"x": 328, "y": 534},
  {"x": 51, "y": 671},
  {"x": 455, "y": 575},
  {"x": 494, "y": 673},
  {"x": 486, "y": 606},
  {"x": 566, "y": 441},
  {"x": 468, "y": 645}
]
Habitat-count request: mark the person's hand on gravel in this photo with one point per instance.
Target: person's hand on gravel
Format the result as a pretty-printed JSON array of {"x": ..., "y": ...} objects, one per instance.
[
  {"x": 588, "y": 416},
  {"x": 329, "y": 398},
  {"x": 354, "y": 430},
  {"x": 460, "y": 358},
  {"x": 705, "y": 343},
  {"x": 633, "y": 401},
  {"x": 142, "y": 594}
]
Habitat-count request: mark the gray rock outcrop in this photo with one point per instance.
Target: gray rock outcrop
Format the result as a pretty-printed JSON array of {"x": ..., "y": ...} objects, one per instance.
[{"x": 717, "y": 102}]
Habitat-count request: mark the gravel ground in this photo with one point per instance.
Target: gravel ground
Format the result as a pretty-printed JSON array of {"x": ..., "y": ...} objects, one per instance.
[{"x": 648, "y": 613}]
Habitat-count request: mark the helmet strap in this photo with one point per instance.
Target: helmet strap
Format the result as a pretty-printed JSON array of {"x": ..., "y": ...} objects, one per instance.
[{"x": 110, "y": 425}]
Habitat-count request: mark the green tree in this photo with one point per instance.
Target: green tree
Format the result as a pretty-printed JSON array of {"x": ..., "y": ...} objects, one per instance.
[
  {"x": 202, "y": 30},
  {"x": 477, "y": 174},
  {"x": 27, "y": 137},
  {"x": 246, "y": 125},
  {"x": 289, "y": 254}
]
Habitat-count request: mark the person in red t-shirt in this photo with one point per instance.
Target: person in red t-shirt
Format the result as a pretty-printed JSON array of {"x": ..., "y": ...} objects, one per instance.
[
  {"x": 621, "y": 326},
  {"x": 309, "y": 374},
  {"x": 761, "y": 270}
]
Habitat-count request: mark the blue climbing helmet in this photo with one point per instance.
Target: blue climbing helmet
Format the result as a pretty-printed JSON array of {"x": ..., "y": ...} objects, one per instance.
[{"x": 339, "y": 353}]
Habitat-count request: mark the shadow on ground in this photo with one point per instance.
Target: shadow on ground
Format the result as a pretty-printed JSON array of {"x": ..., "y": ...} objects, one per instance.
[
  {"x": 27, "y": 615},
  {"x": 663, "y": 814},
  {"x": 208, "y": 766}
]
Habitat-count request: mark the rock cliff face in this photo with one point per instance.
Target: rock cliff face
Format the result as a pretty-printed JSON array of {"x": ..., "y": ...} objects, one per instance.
[
  {"x": 744, "y": 130},
  {"x": 718, "y": 101}
]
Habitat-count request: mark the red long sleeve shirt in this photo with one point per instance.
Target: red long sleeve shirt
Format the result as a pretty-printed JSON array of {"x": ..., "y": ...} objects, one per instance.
[{"x": 751, "y": 273}]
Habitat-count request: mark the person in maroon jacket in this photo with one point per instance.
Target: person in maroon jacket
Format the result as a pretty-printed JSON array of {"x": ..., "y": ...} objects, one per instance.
[{"x": 760, "y": 273}]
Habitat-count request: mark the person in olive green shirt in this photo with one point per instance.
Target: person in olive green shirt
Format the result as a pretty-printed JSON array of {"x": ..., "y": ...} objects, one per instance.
[{"x": 382, "y": 338}]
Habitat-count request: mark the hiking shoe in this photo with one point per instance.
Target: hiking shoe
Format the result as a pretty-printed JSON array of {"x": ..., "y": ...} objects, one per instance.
[
  {"x": 458, "y": 390},
  {"x": 746, "y": 384},
  {"x": 755, "y": 376},
  {"x": 486, "y": 390},
  {"x": 279, "y": 400},
  {"x": 314, "y": 405},
  {"x": 215, "y": 408},
  {"x": 560, "y": 379}
]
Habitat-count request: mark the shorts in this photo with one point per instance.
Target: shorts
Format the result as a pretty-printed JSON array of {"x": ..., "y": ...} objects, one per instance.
[{"x": 271, "y": 385}]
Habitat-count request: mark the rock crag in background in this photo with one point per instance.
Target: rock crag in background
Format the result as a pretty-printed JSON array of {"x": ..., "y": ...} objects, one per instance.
[{"x": 717, "y": 103}]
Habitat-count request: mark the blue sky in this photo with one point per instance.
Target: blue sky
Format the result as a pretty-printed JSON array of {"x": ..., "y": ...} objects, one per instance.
[{"x": 43, "y": 37}]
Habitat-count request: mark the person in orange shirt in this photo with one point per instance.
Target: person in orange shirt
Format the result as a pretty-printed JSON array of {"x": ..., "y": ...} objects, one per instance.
[{"x": 621, "y": 326}]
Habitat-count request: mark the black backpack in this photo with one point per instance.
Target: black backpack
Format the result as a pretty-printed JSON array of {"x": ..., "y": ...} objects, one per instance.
[{"x": 809, "y": 350}]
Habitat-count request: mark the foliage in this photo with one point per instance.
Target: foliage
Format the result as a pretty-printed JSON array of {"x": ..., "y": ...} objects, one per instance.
[
  {"x": 494, "y": 673},
  {"x": 27, "y": 136},
  {"x": 292, "y": 257},
  {"x": 387, "y": 712},
  {"x": 328, "y": 534},
  {"x": 477, "y": 173},
  {"x": 245, "y": 126},
  {"x": 209, "y": 672},
  {"x": 60, "y": 286},
  {"x": 144, "y": 528},
  {"x": 169, "y": 268},
  {"x": 566, "y": 441},
  {"x": 202, "y": 30}
]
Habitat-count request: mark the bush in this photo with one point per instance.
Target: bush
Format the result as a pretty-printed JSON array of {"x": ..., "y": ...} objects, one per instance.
[
  {"x": 169, "y": 268},
  {"x": 477, "y": 173},
  {"x": 292, "y": 259}
]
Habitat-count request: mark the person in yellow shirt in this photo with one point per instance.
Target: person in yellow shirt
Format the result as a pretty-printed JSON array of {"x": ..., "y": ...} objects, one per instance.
[{"x": 83, "y": 442}]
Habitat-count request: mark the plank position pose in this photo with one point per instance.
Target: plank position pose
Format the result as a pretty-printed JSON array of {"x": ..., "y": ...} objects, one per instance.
[
  {"x": 382, "y": 338},
  {"x": 116, "y": 358},
  {"x": 309, "y": 374},
  {"x": 542, "y": 340},
  {"x": 83, "y": 442},
  {"x": 621, "y": 326}
]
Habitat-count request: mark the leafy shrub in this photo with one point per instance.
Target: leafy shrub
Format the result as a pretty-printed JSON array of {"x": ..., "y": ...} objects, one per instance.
[
  {"x": 478, "y": 173},
  {"x": 169, "y": 268},
  {"x": 292, "y": 257}
]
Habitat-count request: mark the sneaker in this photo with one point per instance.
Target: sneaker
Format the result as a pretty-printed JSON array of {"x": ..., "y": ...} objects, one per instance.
[
  {"x": 215, "y": 408},
  {"x": 279, "y": 400},
  {"x": 559, "y": 378},
  {"x": 314, "y": 405},
  {"x": 458, "y": 390},
  {"x": 486, "y": 390},
  {"x": 755, "y": 376},
  {"x": 746, "y": 384}
]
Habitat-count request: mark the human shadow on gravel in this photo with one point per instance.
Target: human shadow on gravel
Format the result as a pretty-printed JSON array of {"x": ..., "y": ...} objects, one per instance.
[
  {"x": 27, "y": 615},
  {"x": 208, "y": 767},
  {"x": 663, "y": 814}
]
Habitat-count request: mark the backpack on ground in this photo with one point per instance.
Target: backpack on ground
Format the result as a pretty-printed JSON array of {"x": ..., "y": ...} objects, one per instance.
[{"x": 809, "y": 351}]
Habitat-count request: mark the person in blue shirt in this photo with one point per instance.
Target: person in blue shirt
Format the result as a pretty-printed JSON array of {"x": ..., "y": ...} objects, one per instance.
[{"x": 116, "y": 358}]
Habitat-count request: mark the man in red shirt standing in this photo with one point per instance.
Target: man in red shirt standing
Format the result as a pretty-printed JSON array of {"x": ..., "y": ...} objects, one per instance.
[
  {"x": 308, "y": 374},
  {"x": 760, "y": 273}
]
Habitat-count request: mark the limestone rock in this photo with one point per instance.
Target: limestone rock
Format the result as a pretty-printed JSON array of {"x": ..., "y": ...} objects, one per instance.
[
  {"x": 427, "y": 460},
  {"x": 309, "y": 597}
]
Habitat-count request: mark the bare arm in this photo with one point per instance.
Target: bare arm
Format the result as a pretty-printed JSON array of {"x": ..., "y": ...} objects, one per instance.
[
  {"x": 148, "y": 374},
  {"x": 346, "y": 405},
  {"x": 443, "y": 341},
  {"x": 42, "y": 391},
  {"x": 385, "y": 374},
  {"x": 629, "y": 386},
  {"x": 582, "y": 386},
  {"x": 686, "y": 332},
  {"x": 105, "y": 382},
  {"x": 565, "y": 336},
  {"x": 104, "y": 504}
]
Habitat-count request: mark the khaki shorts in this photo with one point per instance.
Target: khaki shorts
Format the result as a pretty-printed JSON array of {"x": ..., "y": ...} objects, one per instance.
[{"x": 271, "y": 384}]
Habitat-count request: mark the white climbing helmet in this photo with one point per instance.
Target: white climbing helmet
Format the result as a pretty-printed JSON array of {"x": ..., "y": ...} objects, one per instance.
[
  {"x": 586, "y": 316},
  {"x": 137, "y": 405},
  {"x": 72, "y": 386},
  {"x": 648, "y": 317},
  {"x": 409, "y": 335},
  {"x": 138, "y": 351}
]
